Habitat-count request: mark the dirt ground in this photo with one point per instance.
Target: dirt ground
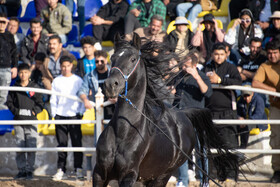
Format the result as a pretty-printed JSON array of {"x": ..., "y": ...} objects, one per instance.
[{"x": 40, "y": 181}]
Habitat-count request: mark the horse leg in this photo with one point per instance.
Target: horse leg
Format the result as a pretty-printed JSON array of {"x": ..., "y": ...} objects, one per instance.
[
  {"x": 160, "y": 181},
  {"x": 129, "y": 180},
  {"x": 98, "y": 179}
]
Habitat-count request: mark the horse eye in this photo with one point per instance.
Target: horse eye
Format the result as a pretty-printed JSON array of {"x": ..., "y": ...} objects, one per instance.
[{"x": 133, "y": 60}]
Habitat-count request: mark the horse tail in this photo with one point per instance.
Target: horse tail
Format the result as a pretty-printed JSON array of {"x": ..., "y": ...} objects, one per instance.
[{"x": 225, "y": 161}]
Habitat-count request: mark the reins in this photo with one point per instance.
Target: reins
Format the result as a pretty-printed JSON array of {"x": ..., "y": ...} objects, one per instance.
[
  {"x": 135, "y": 107},
  {"x": 185, "y": 154}
]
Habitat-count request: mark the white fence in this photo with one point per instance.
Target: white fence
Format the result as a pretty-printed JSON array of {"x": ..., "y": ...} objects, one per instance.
[{"x": 99, "y": 106}]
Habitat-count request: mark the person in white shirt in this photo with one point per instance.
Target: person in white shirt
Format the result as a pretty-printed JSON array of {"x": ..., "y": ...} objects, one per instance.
[{"x": 64, "y": 109}]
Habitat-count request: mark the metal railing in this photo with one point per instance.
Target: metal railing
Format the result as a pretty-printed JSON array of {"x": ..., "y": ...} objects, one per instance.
[{"x": 99, "y": 106}]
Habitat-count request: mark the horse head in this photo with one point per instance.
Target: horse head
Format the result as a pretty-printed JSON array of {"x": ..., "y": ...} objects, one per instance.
[{"x": 125, "y": 63}]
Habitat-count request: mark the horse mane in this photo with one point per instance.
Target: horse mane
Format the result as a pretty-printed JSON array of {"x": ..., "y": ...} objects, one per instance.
[{"x": 156, "y": 57}]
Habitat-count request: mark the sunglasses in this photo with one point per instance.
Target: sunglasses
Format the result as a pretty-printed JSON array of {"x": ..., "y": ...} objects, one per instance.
[
  {"x": 97, "y": 61},
  {"x": 246, "y": 20},
  {"x": 3, "y": 22}
]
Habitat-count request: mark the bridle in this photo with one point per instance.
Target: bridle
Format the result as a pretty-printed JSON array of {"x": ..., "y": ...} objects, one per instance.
[{"x": 127, "y": 76}]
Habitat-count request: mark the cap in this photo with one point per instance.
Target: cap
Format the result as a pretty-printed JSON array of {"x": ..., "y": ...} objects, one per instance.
[
  {"x": 181, "y": 21},
  {"x": 276, "y": 14},
  {"x": 208, "y": 17},
  {"x": 246, "y": 92}
]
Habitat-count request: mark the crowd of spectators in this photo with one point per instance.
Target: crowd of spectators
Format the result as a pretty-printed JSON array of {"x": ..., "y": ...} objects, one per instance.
[{"x": 247, "y": 54}]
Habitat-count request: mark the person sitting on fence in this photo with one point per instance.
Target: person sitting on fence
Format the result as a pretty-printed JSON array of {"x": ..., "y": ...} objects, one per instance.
[
  {"x": 153, "y": 32},
  {"x": 66, "y": 109},
  {"x": 25, "y": 106},
  {"x": 250, "y": 106},
  {"x": 109, "y": 20},
  {"x": 87, "y": 63},
  {"x": 34, "y": 43},
  {"x": 267, "y": 77},
  {"x": 57, "y": 19}
]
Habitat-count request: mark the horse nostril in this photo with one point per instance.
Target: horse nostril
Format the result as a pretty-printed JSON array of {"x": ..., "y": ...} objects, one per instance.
[{"x": 116, "y": 83}]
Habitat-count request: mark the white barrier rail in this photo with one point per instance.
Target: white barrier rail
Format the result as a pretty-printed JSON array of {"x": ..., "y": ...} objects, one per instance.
[
  {"x": 78, "y": 122},
  {"x": 36, "y": 122},
  {"x": 43, "y": 91},
  {"x": 100, "y": 120},
  {"x": 48, "y": 149},
  {"x": 235, "y": 87}
]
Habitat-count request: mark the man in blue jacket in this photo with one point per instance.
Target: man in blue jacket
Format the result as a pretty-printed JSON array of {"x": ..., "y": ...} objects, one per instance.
[{"x": 250, "y": 106}]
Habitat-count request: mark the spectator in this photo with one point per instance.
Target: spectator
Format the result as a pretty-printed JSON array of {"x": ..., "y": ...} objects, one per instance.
[
  {"x": 13, "y": 27},
  {"x": 228, "y": 49},
  {"x": 208, "y": 37},
  {"x": 56, "y": 51},
  {"x": 8, "y": 59},
  {"x": 39, "y": 5},
  {"x": 41, "y": 76},
  {"x": 273, "y": 31},
  {"x": 95, "y": 79},
  {"x": 262, "y": 10},
  {"x": 250, "y": 106},
  {"x": 250, "y": 64},
  {"x": 140, "y": 14},
  {"x": 25, "y": 106},
  {"x": 192, "y": 89},
  {"x": 223, "y": 102},
  {"x": 34, "y": 43},
  {"x": 67, "y": 109},
  {"x": 180, "y": 38},
  {"x": 87, "y": 63},
  {"x": 267, "y": 78},
  {"x": 242, "y": 31},
  {"x": 171, "y": 7},
  {"x": 153, "y": 32},
  {"x": 109, "y": 20},
  {"x": 235, "y": 7},
  {"x": 10, "y": 7},
  {"x": 192, "y": 7},
  {"x": 57, "y": 19},
  {"x": 80, "y": 10}
]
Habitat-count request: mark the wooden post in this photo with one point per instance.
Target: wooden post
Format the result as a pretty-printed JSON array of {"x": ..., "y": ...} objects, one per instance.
[{"x": 99, "y": 100}]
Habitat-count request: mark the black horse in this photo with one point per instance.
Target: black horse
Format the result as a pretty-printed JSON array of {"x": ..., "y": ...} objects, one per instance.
[{"x": 131, "y": 148}]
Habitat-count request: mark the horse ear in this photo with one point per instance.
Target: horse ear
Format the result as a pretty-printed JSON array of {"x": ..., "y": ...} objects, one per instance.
[
  {"x": 117, "y": 39},
  {"x": 136, "y": 41}
]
